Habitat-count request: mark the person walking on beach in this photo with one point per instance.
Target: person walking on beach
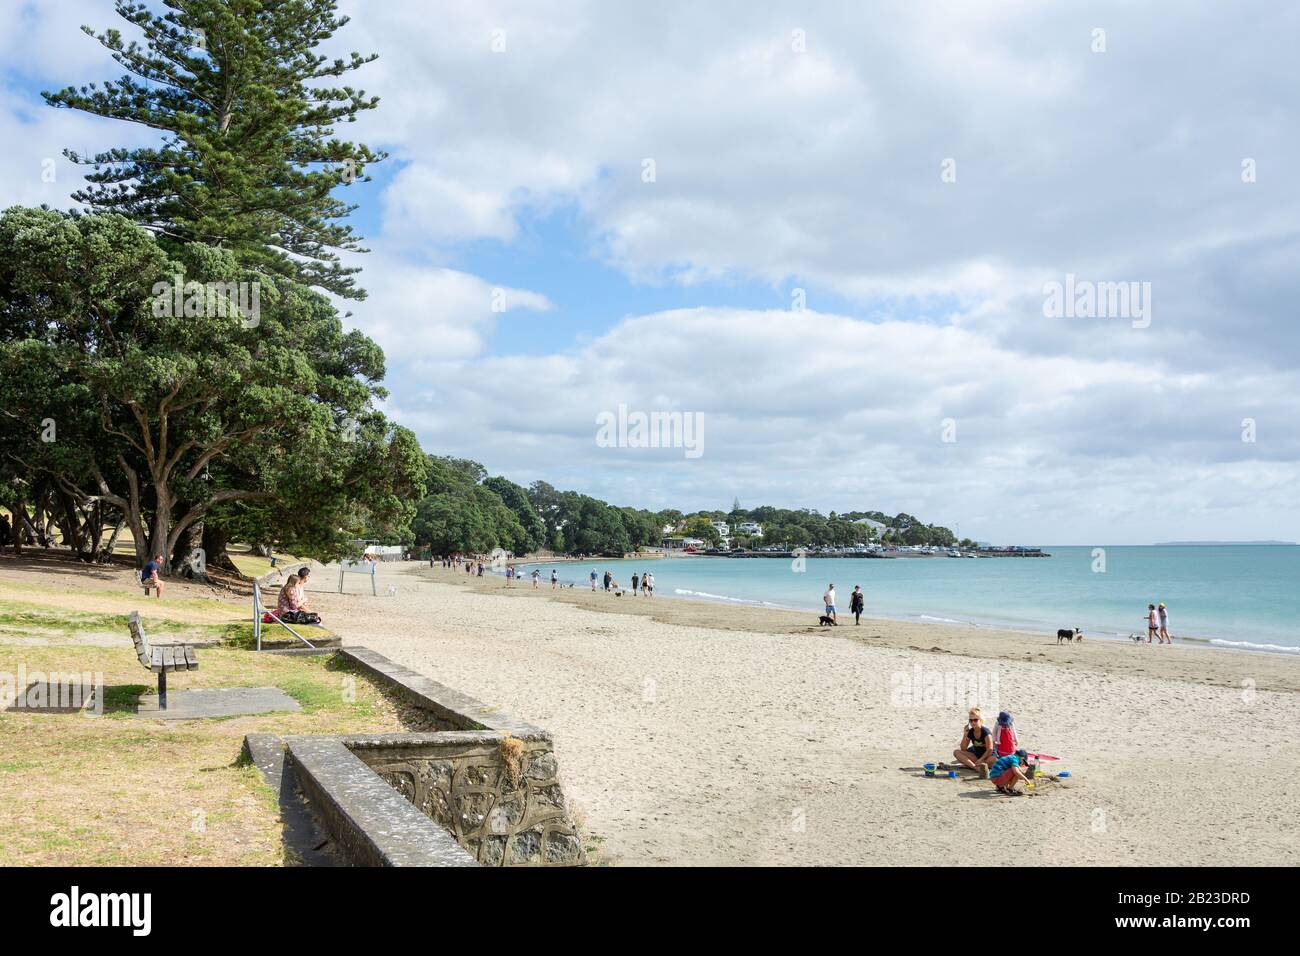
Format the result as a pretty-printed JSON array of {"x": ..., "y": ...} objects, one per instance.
[
  {"x": 635, "y": 583},
  {"x": 649, "y": 582},
  {"x": 510, "y": 575},
  {"x": 1163, "y": 615},
  {"x": 593, "y": 579},
  {"x": 829, "y": 600},
  {"x": 856, "y": 602},
  {"x": 555, "y": 579},
  {"x": 537, "y": 577},
  {"x": 608, "y": 579},
  {"x": 1153, "y": 624}
]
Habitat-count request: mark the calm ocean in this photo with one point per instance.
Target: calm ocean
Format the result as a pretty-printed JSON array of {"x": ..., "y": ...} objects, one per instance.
[{"x": 1234, "y": 596}]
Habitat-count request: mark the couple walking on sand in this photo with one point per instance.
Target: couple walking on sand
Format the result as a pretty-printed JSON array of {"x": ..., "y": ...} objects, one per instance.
[
  {"x": 856, "y": 603},
  {"x": 1158, "y": 624}
]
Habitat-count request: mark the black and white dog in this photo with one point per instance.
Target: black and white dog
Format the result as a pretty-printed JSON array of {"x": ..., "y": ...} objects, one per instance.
[{"x": 1066, "y": 635}]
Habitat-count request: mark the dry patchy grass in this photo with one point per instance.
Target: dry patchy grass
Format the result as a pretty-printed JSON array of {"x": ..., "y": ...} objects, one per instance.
[{"x": 117, "y": 790}]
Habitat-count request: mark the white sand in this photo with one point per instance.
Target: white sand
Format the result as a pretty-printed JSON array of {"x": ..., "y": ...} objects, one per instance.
[{"x": 688, "y": 744}]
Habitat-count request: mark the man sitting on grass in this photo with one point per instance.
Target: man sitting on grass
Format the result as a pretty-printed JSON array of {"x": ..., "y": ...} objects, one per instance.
[
  {"x": 1006, "y": 772},
  {"x": 149, "y": 575}
]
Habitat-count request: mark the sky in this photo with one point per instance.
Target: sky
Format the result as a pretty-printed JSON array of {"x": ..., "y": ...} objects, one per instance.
[{"x": 829, "y": 233}]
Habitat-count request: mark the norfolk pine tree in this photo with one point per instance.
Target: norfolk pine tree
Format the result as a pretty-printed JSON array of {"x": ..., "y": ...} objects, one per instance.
[{"x": 248, "y": 159}]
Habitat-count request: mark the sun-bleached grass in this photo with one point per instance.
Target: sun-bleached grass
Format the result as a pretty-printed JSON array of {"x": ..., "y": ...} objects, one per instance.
[{"x": 118, "y": 790}]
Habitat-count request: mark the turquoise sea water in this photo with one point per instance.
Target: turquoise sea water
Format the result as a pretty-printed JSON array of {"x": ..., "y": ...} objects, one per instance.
[{"x": 1232, "y": 595}]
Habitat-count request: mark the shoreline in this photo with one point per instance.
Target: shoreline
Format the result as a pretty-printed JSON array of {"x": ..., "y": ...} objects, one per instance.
[
  {"x": 1217, "y": 644},
  {"x": 1195, "y": 662},
  {"x": 693, "y": 733}
]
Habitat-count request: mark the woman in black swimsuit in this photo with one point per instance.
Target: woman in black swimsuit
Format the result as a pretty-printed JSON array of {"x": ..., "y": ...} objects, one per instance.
[{"x": 976, "y": 748}]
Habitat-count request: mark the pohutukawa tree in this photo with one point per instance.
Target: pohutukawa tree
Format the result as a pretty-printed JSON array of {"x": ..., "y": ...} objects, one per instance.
[
  {"x": 246, "y": 108},
  {"x": 115, "y": 395}
]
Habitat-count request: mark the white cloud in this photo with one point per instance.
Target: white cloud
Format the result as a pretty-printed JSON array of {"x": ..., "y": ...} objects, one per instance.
[
  {"x": 807, "y": 409},
  {"x": 825, "y": 165},
  {"x": 420, "y": 313},
  {"x": 821, "y": 169}
]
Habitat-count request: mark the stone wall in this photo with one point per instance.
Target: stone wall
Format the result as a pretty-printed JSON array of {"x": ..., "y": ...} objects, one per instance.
[
  {"x": 498, "y": 795},
  {"x": 482, "y": 788}
]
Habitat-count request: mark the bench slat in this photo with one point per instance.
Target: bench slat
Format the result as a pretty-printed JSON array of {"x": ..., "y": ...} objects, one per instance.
[
  {"x": 160, "y": 657},
  {"x": 138, "y": 638}
]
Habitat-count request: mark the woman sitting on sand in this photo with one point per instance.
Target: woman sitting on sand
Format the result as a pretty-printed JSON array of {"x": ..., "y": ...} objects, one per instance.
[{"x": 975, "y": 750}]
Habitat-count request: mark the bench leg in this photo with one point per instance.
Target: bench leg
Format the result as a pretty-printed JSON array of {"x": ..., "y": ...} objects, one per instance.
[{"x": 162, "y": 690}]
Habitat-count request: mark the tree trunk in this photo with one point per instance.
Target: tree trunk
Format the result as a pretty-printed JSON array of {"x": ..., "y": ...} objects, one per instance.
[
  {"x": 24, "y": 532},
  {"x": 106, "y": 551},
  {"x": 186, "y": 542},
  {"x": 16, "y": 529},
  {"x": 92, "y": 532},
  {"x": 162, "y": 526},
  {"x": 70, "y": 523},
  {"x": 215, "y": 544}
]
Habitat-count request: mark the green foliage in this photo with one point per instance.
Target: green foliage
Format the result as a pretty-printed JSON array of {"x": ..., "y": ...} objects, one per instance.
[
  {"x": 530, "y": 522},
  {"x": 246, "y": 109},
  {"x": 174, "y": 417},
  {"x": 699, "y": 527},
  {"x": 462, "y": 514}
]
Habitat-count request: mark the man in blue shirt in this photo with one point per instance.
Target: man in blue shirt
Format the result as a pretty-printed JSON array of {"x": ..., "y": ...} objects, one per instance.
[
  {"x": 149, "y": 575},
  {"x": 1006, "y": 773}
]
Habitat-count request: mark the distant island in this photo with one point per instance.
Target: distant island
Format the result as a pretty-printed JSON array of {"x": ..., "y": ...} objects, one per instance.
[{"x": 1209, "y": 544}]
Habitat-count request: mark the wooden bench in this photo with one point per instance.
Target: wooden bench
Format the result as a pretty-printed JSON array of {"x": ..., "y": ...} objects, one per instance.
[{"x": 160, "y": 658}]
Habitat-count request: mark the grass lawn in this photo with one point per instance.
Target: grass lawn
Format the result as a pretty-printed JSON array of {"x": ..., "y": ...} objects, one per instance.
[
  {"x": 255, "y": 566},
  {"x": 117, "y": 790}
]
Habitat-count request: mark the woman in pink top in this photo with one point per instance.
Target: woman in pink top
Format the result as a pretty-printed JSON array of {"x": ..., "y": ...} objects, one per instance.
[
  {"x": 1153, "y": 625},
  {"x": 290, "y": 597}
]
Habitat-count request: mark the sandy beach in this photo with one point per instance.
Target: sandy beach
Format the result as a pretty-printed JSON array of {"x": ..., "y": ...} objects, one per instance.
[
  {"x": 698, "y": 733},
  {"x": 695, "y": 733}
]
